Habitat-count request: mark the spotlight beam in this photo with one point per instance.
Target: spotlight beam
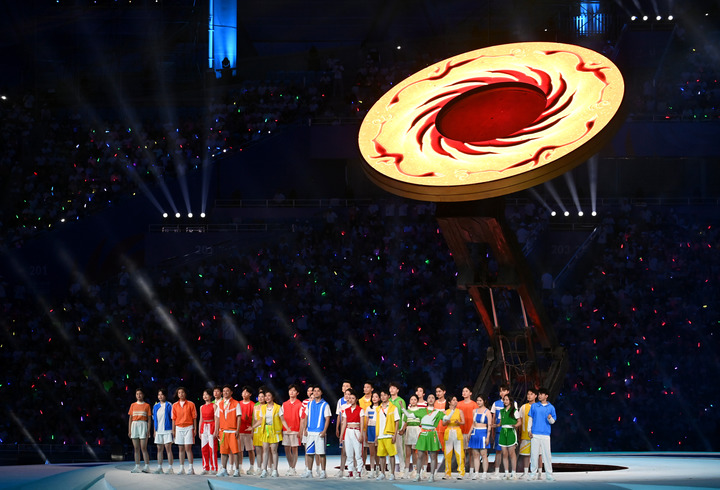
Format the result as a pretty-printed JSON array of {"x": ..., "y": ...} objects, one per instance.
[{"x": 551, "y": 189}]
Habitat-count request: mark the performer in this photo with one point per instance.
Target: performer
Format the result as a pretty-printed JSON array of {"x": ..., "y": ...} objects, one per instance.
[
  {"x": 290, "y": 417},
  {"x": 246, "y": 407},
  {"x": 227, "y": 428},
  {"x": 207, "y": 434},
  {"x": 428, "y": 443},
  {"x": 523, "y": 415},
  {"x": 352, "y": 431},
  {"x": 184, "y": 418},
  {"x": 541, "y": 417},
  {"x": 399, "y": 403},
  {"x": 257, "y": 435},
  {"x": 480, "y": 440},
  {"x": 412, "y": 431},
  {"x": 420, "y": 393},
  {"x": 162, "y": 418},
  {"x": 271, "y": 429},
  {"x": 440, "y": 404},
  {"x": 366, "y": 402},
  {"x": 371, "y": 435},
  {"x": 316, "y": 427},
  {"x": 388, "y": 423},
  {"x": 341, "y": 404},
  {"x": 495, "y": 410},
  {"x": 454, "y": 420},
  {"x": 507, "y": 424},
  {"x": 139, "y": 418},
  {"x": 467, "y": 406}
]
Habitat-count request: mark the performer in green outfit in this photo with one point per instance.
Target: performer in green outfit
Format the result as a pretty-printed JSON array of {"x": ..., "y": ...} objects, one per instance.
[
  {"x": 508, "y": 422},
  {"x": 428, "y": 443}
]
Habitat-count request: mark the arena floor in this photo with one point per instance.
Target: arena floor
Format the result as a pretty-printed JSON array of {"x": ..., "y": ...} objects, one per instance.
[{"x": 641, "y": 471}]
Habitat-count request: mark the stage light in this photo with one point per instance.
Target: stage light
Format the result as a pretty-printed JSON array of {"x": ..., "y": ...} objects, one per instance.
[
  {"x": 567, "y": 213},
  {"x": 670, "y": 17},
  {"x": 594, "y": 213},
  {"x": 190, "y": 215},
  {"x": 3, "y": 97},
  {"x": 202, "y": 215},
  {"x": 659, "y": 17},
  {"x": 633, "y": 17},
  {"x": 165, "y": 215},
  {"x": 177, "y": 215},
  {"x": 580, "y": 213},
  {"x": 399, "y": 48},
  {"x": 645, "y": 17},
  {"x": 553, "y": 213}
]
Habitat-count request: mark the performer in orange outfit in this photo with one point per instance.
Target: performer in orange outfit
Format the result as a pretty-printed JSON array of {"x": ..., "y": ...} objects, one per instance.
[{"x": 227, "y": 425}]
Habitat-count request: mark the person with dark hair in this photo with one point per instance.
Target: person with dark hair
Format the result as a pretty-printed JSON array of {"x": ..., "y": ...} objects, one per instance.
[
  {"x": 316, "y": 427},
  {"x": 480, "y": 437},
  {"x": 208, "y": 436},
  {"x": 454, "y": 420},
  {"x": 365, "y": 403},
  {"x": 388, "y": 423},
  {"x": 341, "y": 405},
  {"x": 290, "y": 417},
  {"x": 541, "y": 417},
  {"x": 523, "y": 415},
  {"x": 271, "y": 432},
  {"x": 507, "y": 423},
  {"x": 245, "y": 432},
  {"x": 139, "y": 418},
  {"x": 371, "y": 434},
  {"x": 428, "y": 443},
  {"x": 420, "y": 393},
  {"x": 162, "y": 418},
  {"x": 227, "y": 427},
  {"x": 395, "y": 399},
  {"x": 467, "y": 406},
  {"x": 412, "y": 431},
  {"x": 352, "y": 433},
  {"x": 495, "y": 410},
  {"x": 257, "y": 435},
  {"x": 184, "y": 419},
  {"x": 440, "y": 404}
]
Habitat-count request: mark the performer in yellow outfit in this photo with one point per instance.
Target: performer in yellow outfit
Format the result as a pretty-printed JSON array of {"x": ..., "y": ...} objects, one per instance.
[
  {"x": 271, "y": 428},
  {"x": 454, "y": 420}
]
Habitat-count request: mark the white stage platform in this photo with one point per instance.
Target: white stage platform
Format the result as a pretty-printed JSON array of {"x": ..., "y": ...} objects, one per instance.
[{"x": 644, "y": 471}]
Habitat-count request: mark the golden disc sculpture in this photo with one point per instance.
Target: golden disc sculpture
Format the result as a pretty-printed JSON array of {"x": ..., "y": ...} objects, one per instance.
[{"x": 492, "y": 121}]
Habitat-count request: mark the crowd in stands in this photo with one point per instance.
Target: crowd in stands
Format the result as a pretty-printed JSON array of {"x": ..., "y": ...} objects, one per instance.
[
  {"x": 367, "y": 295},
  {"x": 372, "y": 295}
]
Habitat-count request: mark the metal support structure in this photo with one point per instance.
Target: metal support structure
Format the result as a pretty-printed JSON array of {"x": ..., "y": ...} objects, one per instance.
[{"x": 490, "y": 261}]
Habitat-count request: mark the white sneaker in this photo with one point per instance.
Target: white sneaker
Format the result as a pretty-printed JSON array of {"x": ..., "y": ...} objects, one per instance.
[
  {"x": 322, "y": 475},
  {"x": 263, "y": 474},
  {"x": 236, "y": 473},
  {"x": 275, "y": 474},
  {"x": 473, "y": 476},
  {"x": 182, "y": 471},
  {"x": 146, "y": 469},
  {"x": 431, "y": 478},
  {"x": 289, "y": 472},
  {"x": 136, "y": 469},
  {"x": 417, "y": 477},
  {"x": 191, "y": 471},
  {"x": 391, "y": 477},
  {"x": 170, "y": 471},
  {"x": 222, "y": 472},
  {"x": 204, "y": 472},
  {"x": 483, "y": 476},
  {"x": 307, "y": 474},
  {"x": 251, "y": 471},
  {"x": 357, "y": 475},
  {"x": 339, "y": 474},
  {"x": 549, "y": 477},
  {"x": 157, "y": 471},
  {"x": 381, "y": 476}
]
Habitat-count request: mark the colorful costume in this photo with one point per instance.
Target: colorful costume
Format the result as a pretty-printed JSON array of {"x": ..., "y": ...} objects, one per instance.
[
  {"x": 454, "y": 442},
  {"x": 524, "y": 435},
  {"x": 351, "y": 437},
  {"x": 479, "y": 436},
  {"x": 428, "y": 439},
  {"x": 207, "y": 438},
  {"x": 508, "y": 435},
  {"x": 140, "y": 413},
  {"x": 270, "y": 424},
  {"x": 540, "y": 442},
  {"x": 371, "y": 416},
  {"x": 227, "y": 412}
]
